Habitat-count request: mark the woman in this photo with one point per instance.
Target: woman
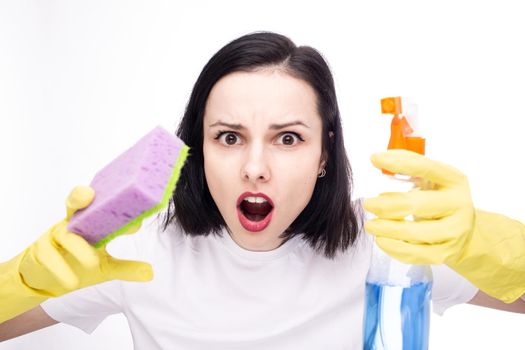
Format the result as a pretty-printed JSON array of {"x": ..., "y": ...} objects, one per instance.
[{"x": 262, "y": 246}]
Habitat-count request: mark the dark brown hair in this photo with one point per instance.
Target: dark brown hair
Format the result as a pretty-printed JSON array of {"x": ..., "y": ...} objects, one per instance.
[{"x": 329, "y": 222}]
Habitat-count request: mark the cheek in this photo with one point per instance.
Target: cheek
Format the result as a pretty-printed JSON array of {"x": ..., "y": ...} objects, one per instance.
[
  {"x": 299, "y": 182},
  {"x": 220, "y": 176},
  {"x": 213, "y": 169}
]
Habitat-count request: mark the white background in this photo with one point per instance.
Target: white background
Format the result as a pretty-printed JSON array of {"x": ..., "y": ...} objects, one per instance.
[{"x": 80, "y": 81}]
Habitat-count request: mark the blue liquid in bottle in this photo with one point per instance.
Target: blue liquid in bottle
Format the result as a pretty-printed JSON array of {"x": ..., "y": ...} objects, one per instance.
[{"x": 397, "y": 318}]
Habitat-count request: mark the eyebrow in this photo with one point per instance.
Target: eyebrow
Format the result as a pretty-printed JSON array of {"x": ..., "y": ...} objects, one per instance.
[{"x": 272, "y": 126}]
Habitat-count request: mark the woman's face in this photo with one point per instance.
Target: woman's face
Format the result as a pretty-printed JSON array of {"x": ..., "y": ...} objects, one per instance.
[{"x": 262, "y": 139}]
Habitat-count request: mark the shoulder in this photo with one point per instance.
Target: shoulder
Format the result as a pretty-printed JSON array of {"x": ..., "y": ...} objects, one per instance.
[{"x": 364, "y": 240}]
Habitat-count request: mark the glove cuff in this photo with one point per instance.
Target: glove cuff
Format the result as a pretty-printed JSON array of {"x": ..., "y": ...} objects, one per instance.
[
  {"x": 494, "y": 258},
  {"x": 15, "y": 296}
]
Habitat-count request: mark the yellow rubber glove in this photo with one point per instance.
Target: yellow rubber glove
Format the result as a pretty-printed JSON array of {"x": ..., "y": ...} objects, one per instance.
[
  {"x": 60, "y": 262},
  {"x": 487, "y": 249}
]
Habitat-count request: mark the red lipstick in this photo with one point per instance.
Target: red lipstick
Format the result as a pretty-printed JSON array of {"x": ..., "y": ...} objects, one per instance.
[{"x": 250, "y": 225}]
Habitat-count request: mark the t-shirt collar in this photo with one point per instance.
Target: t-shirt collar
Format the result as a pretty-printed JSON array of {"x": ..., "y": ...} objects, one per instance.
[{"x": 276, "y": 253}]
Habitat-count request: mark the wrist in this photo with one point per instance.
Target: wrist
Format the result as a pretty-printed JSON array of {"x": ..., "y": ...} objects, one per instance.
[
  {"x": 493, "y": 258},
  {"x": 16, "y": 296}
]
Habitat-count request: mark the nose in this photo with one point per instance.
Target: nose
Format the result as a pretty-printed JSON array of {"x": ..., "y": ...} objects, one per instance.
[{"x": 256, "y": 164}]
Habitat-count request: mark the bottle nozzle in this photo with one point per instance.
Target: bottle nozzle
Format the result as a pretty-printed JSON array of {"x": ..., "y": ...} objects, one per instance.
[
  {"x": 391, "y": 105},
  {"x": 402, "y": 129}
]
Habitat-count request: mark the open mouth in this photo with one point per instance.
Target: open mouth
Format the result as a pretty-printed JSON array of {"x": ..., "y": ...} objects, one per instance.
[{"x": 255, "y": 212}]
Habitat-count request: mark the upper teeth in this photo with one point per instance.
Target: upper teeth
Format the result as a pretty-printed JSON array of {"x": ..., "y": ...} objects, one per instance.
[{"x": 255, "y": 199}]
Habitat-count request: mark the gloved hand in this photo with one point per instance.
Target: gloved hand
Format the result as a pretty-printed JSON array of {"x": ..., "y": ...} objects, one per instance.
[
  {"x": 487, "y": 249},
  {"x": 60, "y": 262}
]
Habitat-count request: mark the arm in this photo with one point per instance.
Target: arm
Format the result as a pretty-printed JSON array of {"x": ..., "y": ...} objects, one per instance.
[
  {"x": 485, "y": 300},
  {"x": 59, "y": 262},
  {"x": 27, "y": 322}
]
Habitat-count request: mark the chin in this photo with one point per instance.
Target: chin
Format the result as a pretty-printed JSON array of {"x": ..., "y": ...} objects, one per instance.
[{"x": 257, "y": 241}]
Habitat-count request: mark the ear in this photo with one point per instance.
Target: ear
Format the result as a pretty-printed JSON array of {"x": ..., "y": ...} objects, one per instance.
[
  {"x": 324, "y": 157},
  {"x": 322, "y": 164}
]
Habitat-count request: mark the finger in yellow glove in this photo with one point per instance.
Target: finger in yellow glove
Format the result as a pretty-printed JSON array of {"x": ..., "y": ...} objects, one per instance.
[
  {"x": 487, "y": 249},
  {"x": 60, "y": 262}
]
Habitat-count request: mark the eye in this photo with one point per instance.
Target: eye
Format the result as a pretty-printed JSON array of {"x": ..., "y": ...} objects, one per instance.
[
  {"x": 229, "y": 138},
  {"x": 288, "y": 138}
]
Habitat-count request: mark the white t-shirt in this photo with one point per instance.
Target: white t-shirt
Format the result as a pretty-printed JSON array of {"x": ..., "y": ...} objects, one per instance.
[{"x": 209, "y": 293}]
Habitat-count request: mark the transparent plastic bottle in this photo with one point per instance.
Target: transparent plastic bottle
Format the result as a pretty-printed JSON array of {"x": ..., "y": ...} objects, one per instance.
[{"x": 397, "y": 304}]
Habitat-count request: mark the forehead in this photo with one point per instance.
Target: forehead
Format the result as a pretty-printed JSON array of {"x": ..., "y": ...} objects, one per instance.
[{"x": 267, "y": 94}]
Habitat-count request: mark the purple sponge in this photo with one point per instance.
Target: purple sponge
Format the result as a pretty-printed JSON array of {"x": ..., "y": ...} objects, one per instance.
[{"x": 132, "y": 187}]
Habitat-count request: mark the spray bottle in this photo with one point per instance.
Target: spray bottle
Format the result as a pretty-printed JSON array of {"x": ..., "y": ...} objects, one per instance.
[{"x": 397, "y": 305}]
